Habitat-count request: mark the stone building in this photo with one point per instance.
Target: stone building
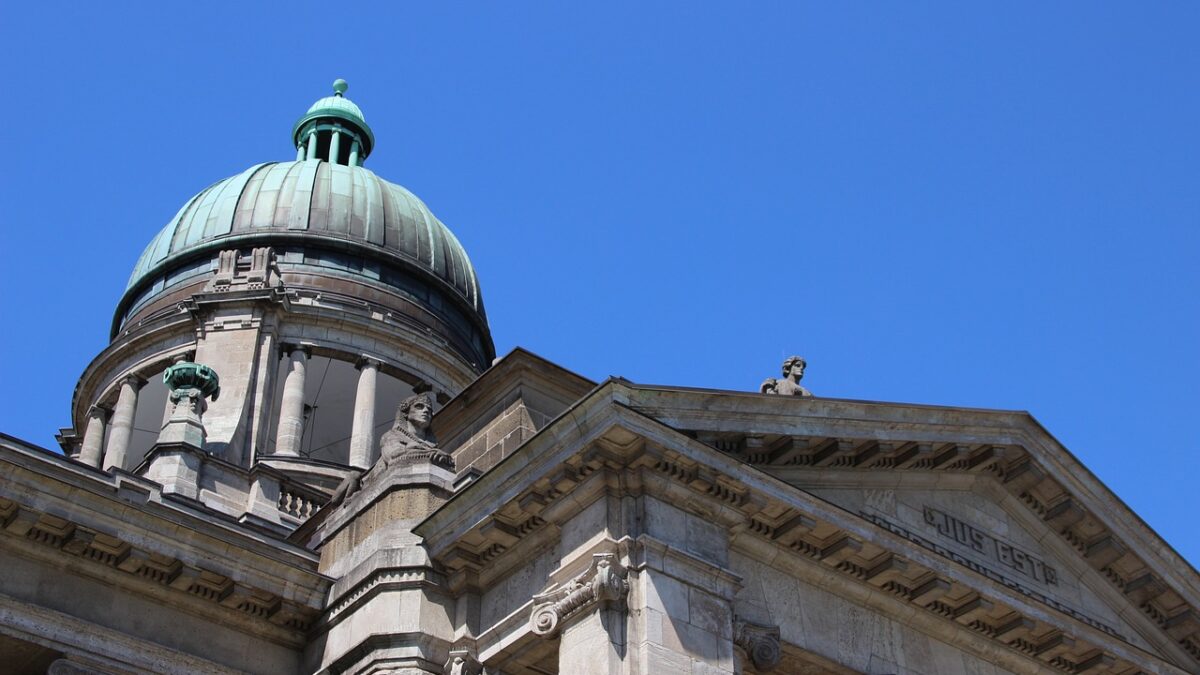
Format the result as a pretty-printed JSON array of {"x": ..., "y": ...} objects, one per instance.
[{"x": 299, "y": 510}]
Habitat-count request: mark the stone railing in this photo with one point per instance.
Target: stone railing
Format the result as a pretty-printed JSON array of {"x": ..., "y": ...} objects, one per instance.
[{"x": 299, "y": 502}]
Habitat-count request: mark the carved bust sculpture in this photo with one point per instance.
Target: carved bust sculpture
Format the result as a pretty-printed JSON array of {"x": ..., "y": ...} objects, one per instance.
[
  {"x": 408, "y": 442},
  {"x": 409, "y": 439},
  {"x": 789, "y": 384}
]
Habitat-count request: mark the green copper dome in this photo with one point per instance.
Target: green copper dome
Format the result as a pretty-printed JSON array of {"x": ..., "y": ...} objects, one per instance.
[
  {"x": 335, "y": 227},
  {"x": 343, "y": 207}
]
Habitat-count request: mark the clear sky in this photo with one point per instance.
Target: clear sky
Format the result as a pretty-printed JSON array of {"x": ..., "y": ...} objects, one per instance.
[{"x": 973, "y": 204}]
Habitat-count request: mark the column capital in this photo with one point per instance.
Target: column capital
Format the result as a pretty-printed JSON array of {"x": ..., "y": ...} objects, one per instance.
[
  {"x": 99, "y": 410},
  {"x": 134, "y": 379},
  {"x": 760, "y": 642},
  {"x": 286, "y": 348},
  {"x": 367, "y": 360},
  {"x": 602, "y": 584}
]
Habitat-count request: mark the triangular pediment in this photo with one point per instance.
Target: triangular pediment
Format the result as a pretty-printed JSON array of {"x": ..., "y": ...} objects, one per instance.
[
  {"x": 991, "y": 491},
  {"x": 973, "y": 522}
]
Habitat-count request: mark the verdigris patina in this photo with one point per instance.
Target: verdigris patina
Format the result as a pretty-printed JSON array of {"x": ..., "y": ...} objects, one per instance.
[
  {"x": 190, "y": 383},
  {"x": 185, "y": 375},
  {"x": 789, "y": 384}
]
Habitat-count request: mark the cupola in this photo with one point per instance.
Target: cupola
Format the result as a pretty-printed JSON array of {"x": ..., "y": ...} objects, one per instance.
[{"x": 334, "y": 130}]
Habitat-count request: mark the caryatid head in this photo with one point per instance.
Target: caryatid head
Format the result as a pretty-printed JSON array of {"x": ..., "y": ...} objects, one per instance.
[{"x": 794, "y": 367}]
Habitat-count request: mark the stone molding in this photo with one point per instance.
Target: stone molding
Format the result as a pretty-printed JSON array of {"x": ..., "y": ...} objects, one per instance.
[
  {"x": 108, "y": 650},
  {"x": 760, "y": 642},
  {"x": 77, "y": 540},
  {"x": 391, "y": 579},
  {"x": 68, "y": 667},
  {"x": 602, "y": 585}
]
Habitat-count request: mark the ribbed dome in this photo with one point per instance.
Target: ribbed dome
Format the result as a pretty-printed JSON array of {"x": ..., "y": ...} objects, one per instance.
[{"x": 345, "y": 207}]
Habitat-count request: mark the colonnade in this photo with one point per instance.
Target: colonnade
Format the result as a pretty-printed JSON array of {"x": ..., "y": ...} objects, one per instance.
[
  {"x": 117, "y": 421},
  {"x": 308, "y": 149}
]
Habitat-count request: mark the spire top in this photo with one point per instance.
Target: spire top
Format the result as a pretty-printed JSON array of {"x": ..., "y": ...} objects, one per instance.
[{"x": 340, "y": 87}]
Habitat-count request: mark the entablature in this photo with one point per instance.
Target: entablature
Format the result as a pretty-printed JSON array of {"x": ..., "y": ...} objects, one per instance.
[{"x": 122, "y": 529}]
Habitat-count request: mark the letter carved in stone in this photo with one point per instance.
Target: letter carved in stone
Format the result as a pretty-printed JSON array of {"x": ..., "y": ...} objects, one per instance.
[
  {"x": 760, "y": 642},
  {"x": 603, "y": 584}
]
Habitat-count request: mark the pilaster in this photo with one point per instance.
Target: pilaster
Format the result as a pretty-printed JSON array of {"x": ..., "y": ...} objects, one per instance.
[{"x": 235, "y": 337}]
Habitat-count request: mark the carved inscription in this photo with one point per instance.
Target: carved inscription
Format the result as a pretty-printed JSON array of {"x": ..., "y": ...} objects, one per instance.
[
  {"x": 981, "y": 542},
  {"x": 987, "y": 572}
]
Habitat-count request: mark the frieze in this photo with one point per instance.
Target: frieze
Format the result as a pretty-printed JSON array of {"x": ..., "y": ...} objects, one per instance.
[
  {"x": 988, "y": 572},
  {"x": 985, "y": 544}
]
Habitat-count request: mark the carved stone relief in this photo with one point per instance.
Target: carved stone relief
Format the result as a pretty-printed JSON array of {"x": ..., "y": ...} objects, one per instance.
[
  {"x": 761, "y": 644},
  {"x": 235, "y": 273},
  {"x": 603, "y": 584}
]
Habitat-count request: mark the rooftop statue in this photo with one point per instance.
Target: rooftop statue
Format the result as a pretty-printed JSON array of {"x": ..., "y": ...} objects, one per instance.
[
  {"x": 789, "y": 385},
  {"x": 408, "y": 442}
]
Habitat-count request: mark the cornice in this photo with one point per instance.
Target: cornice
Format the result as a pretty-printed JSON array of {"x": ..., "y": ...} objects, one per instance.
[{"x": 119, "y": 524}]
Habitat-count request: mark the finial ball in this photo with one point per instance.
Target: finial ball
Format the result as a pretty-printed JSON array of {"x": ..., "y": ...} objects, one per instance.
[{"x": 340, "y": 86}]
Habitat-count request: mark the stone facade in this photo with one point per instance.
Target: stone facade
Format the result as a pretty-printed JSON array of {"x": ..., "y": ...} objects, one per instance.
[{"x": 538, "y": 522}]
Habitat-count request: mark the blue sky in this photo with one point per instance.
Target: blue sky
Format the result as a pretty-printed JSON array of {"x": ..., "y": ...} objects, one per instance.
[{"x": 948, "y": 203}]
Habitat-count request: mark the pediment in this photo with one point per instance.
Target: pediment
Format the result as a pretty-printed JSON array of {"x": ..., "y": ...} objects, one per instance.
[
  {"x": 991, "y": 491},
  {"x": 860, "y": 490},
  {"x": 972, "y": 521}
]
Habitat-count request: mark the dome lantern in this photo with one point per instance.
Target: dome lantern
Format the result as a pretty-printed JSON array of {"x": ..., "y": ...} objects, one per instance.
[{"x": 333, "y": 130}]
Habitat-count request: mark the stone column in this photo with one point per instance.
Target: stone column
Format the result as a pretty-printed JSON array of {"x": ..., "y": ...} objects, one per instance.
[
  {"x": 93, "y": 436},
  {"x": 291, "y": 411},
  {"x": 362, "y": 434},
  {"x": 122, "y": 423}
]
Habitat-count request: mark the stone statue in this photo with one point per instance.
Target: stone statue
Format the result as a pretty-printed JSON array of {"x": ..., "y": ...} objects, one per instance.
[
  {"x": 789, "y": 385},
  {"x": 408, "y": 442}
]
